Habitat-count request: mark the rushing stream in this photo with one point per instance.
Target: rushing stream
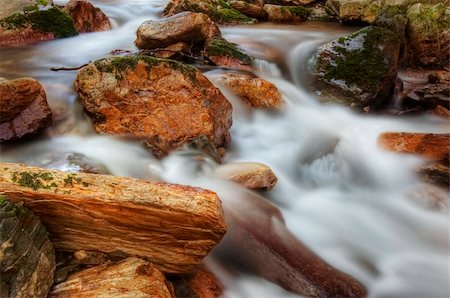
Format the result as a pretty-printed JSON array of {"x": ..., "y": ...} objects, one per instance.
[{"x": 339, "y": 193}]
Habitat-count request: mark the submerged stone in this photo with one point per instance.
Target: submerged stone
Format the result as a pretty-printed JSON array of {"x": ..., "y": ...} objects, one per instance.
[{"x": 363, "y": 64}]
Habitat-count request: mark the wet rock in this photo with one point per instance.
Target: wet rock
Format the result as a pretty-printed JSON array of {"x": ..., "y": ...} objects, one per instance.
[
  {"x": 224, "y": 53},
  {"x": 257, "y": 92},
  {"x": 23, "y": 109},
  {"x": 27, "y": 258},
  {"x": 429, "y": 33},
  {"x": 289, "y": 2},
  {"x": 430, "y": 146},
  {"x": 131, "y": 277},
  {"x": 174, "y": 51},
  {"x": 284, "y": 14},
  {"x": 188, "y": 27},
  {"x": 362, "y": 65},
  {"x": 218, "y": 10},
  {"x": 436, "y": 173},
  {"x": 163, "y": 101},
  {"x": 201, "y": 284},
  {"x": 36, "y": 23},
  {"x": 252, "y": 175},
  {"x": 252, "y": 10},
  {"x": 87, "y": 17},
  {"x": 17, "y": 6}
]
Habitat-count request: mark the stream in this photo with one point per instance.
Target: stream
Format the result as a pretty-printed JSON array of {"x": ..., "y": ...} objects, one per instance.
[{"x": 349, "y": 201}]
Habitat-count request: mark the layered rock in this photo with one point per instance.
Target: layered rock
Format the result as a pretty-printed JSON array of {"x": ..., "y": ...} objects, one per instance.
[
  {"x": 363, "y": 65},
  {"x": 252, "y": 175},
  {"x": 27, "y": 258},
  {"x": 428, "y": 33},
  {"x": 285, "y": 14},
  {"x": 131, "y": 277},
  {"x": 167, "y": 103},
  {"x": 218, "y": 10},
  {"x": 86, "y": 17},
  {"x": 24, "y": 109},
  {"x": 256, "y": 92},
  {"x": 38, "y": 22}
]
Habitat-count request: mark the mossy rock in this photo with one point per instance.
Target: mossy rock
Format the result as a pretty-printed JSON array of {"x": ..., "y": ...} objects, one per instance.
[
  {"x": 363, "y": 65},
  {"x": 428, "y": 33},
  {"x": 49, "y": 19},
  {"x": 219, "y": 47},
  {"x": 218, "y": 10}
]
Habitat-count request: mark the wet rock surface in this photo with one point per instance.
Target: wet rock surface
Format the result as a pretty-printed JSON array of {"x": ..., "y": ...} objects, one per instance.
[
  {"x": 27, "y": 258},
  {"x": 363, "y": 65},
  {"x": 224, "y": 53},
  {"x": 24, "y": 109},
  {"x": 165, "y": 102},
  {"x": 86, "y": 17}
]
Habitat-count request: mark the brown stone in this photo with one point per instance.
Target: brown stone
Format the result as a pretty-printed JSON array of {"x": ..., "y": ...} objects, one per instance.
[
  {"x": 224, "y": 53},
  {"x": 167, "y": 103},
  {"x": 188, "y": 27},
  {"x": 23, "y": 36},
  {"x": 172, "y": 226},
  {"x": 441, "y": 112},
  {"x": 23, "y": 108},
  {"x": 436, "y": 173},
  {"x": 174, "y": 51},
  {"x": 257, "y": 92},
  {"x": 252, "y": 175},
  {"x": 87, "y": 17},
  {"x": 249, "y": 9},
  {"x": 201, "y": 284},
  {"x": 430, "y": 146},
  {"x": 130, "y": 278},
  {"x": 285, "y": 14}
]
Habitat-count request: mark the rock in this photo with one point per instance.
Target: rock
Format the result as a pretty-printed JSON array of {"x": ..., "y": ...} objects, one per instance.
[
  {"x": 201, "y": 284},
  {"x": 224, "y": 53},
  {"x": 256, "y": 92},
  {"x": 253, "y": 175},
  {"x": 170, "y": 225},
  {"x": 431, "y": 197},
  {"x": 436, "y": 173},
  {"x": 69, "y": 161},
  {"x": 17, "y": 6},
  {"x": 284, "y": 14},
  {"x": 429, "y": 34},
  {"x": 218, "y": 10},
  {"x": 394, "y": 19},
  {"x": 174, "y": 51},
  {"x": 188, "y": 27},
  {"x": 87, "y": 17},
  {"x": 430, "y": 146},
  {"x": 318, "y": 13},
  {"x": 363, "y": 65},
  {"x": 36, "y": 23},
  {"x": 249, "y": 9},
  {"x": 289, "y": 2},
  {"x": 166, "y": 102},
  {"x": 27, "y": 258},
  {"x": 441, "y": 112},
  {"x": 24, "y": 109},
  {"x": 131, "y": 277},
  {"x": 355, "y": 10}
]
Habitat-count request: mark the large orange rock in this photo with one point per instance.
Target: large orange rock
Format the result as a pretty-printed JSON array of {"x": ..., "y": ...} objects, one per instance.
[
  {"x": 431, "y": 146},
  {"x": 163, "y": 101},
  {"x": 87, "y": 17},
  {"x": 23, "y": 108}
]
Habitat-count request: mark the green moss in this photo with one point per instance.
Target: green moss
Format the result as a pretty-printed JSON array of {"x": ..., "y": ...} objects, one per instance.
[
  {"x": 34, "y": 181},
  {"x": 71, "y": 179},
  {"x": 431, "y": 18},
  {"x": 221, "y": 47},
  {"x": 217, "y": 10},
  {"x": 9, "y": 209},
  {"x": 299, "y": 11},
  {"x": 52, "y": 20},
  {"x": 363, "y": 66}
]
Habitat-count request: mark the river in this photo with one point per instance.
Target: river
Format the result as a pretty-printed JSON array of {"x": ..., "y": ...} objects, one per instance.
[{"x": 339, "y": 193}]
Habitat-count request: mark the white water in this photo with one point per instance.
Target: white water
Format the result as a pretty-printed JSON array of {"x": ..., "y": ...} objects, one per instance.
[{"x": 339, "y": 193}]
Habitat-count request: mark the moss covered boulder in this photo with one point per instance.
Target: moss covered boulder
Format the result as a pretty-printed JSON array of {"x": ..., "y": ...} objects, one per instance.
[
  {"x": 38, "y": 22},
  {"x": 224, "y": 53},
  {"x": 428, "y": 34},
  {"x": 219, "y": 11},
  {"x": 286, "y": 14},
  {"x": 362, "y": 65},
  {"x": 164, "y": 102},
  {"x": 27, "y": 258}
]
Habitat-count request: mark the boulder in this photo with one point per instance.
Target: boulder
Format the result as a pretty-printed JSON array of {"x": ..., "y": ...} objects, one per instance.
[
  {"x": 362, "y": 65},
  {"x": 200, "y": 284},
  {"x": 17, "y": 6},
  {"x": 249, "y": 9},
  {"x": 218, "y": 10},
  {"x": 428, "y": 33},
  {"x": 36, "y": 23},
  {"x": 129, "y": 278},
  {"x": 284, "y": 14},
  {"x": 253, "y": 175},
  {"x": 355, "y": 10},
  {"x": 87, "y": 17},
  {"x": 163, "y": 101},
  {"x": 27, "y": 258},
  {"x": 24, "y": 109},
  {"x": 224, "y": 53},
  {"x": 256, "y": 92},
  {"x": 187, "y": 27}
]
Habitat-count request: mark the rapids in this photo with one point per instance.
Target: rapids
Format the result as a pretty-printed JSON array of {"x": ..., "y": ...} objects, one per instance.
[{"x": 339, "y": 193}]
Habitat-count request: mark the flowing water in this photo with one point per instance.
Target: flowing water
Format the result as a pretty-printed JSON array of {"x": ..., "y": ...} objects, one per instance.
[{"x": 339, "y": 193}]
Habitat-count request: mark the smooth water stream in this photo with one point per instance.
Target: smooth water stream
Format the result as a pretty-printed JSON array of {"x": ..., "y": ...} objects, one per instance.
[{"x": 341, "y": 195}]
